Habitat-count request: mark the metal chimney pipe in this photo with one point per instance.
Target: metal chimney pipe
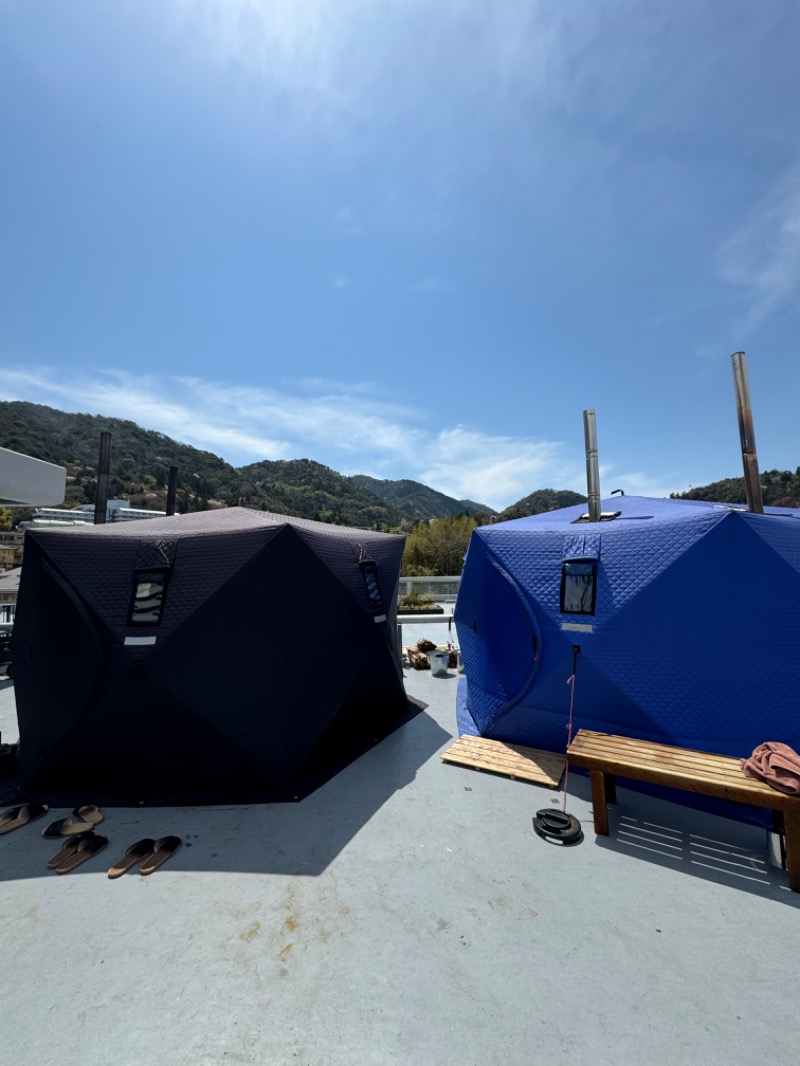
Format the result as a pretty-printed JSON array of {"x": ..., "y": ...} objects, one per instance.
[
  {"x": 103, "y": 470},
  {"x": 752, "y": 480},
  {"x": 592, "y": 464},
  {"x": 172, "y": 489}
]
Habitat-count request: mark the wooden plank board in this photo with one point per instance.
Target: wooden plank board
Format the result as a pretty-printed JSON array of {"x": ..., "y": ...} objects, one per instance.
[
  {"x": 696, "y": 771},
  {"x": 591, "y": 740},
  {"x": 644, "y": 753},
  {"x": 510, "y": 760},
  {"x": 641, "y": 754}
]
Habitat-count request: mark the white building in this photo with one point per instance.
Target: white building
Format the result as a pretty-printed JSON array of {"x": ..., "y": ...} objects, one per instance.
[{"x": 117, "y": 511}]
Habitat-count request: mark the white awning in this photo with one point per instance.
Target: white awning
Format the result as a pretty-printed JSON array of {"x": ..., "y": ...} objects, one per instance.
[{"x": 29, "y": 482}]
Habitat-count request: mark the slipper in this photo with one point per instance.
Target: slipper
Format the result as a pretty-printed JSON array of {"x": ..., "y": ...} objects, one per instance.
[
  {"x": 69, "y": 848},
  {"x": 162, "y": 850},
  {"x": 89, "y": 813},
  {"x": 90, "y": 845},
  {"x": 142, "y": 849},
  {"x": 19, "y": 816},
  {"x": 84, "y": 820}
]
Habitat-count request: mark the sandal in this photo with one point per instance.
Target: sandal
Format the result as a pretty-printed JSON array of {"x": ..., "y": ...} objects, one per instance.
[
  {"x": 69, "y": 848},
  {"x": 19, "y": 816},
  {"x": 142, "y": 849},
  {"x": 163, "y": 850},
  {"x": 83, "y": 820},
  {"x": 89, "y": 813},
  {"x": 87, "y": 847}
]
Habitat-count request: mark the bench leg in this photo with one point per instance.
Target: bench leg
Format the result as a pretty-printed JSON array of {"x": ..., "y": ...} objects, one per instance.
[
  {"x": 791, "y": 824},
  {"x": 600, "y": 800}
]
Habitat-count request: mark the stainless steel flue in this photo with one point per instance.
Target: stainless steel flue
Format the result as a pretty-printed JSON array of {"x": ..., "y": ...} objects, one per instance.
[
  {"x": 752, "y": 480},
  {"x": 592, "y": 464}
]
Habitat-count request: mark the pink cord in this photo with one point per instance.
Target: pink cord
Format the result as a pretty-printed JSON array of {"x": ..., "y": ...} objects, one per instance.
[{"x": 570, "y": 681}]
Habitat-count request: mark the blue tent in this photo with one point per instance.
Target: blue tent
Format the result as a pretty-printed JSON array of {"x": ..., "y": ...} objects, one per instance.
[{"x": 686, "y": 615}]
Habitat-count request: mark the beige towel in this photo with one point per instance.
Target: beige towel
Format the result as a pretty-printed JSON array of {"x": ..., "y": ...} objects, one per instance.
[{"x": 777, "y": 764}]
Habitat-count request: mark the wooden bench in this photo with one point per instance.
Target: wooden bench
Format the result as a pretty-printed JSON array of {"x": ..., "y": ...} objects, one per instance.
[{"x": 606, "y": 756}]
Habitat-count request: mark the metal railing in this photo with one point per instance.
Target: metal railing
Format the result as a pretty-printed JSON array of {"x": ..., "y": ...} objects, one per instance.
[{"x": 439, "y": 589}]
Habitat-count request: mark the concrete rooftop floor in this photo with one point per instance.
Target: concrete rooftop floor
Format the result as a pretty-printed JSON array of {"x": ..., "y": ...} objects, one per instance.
[{"x": 404, "y": 913}]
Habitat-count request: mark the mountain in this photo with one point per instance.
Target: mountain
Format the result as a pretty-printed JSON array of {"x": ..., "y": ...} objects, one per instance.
[
  {"x": 780, "y": 488},
  {"x": 140, "y": 462},
  {"x": 540, "y": 501},
  {"x": 416, "y": 501},
  {"x": 141, "y": 458},
  {"x": 303, "y": 487}
]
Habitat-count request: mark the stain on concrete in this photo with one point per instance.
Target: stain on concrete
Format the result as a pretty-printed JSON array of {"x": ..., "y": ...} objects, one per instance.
[{"x": 251, "y": 932}]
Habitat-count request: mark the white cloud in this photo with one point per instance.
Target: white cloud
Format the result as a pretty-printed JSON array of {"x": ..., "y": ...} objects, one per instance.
[
  {"x": 350, "y": 428},
  {"x": 489, "y": 469},
  {"x": 344, "y": 67},
  {"x": 762, "y": 258},
  {"x": 189, "y": 415},
  {"x": 341, "y": 282},
  {"x": 246, "y": 423}
]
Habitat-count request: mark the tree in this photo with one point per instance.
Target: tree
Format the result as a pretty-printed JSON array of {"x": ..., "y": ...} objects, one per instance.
[{"x": 438, "y": 547}]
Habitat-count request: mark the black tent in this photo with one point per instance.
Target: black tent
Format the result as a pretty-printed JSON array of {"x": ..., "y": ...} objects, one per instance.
[{"x": 210, "y": 656}]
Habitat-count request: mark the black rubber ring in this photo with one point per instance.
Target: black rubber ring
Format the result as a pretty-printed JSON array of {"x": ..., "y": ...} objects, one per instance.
[
  {"x": 555, "y": 820},
  {"x": 568, "y": 831}
]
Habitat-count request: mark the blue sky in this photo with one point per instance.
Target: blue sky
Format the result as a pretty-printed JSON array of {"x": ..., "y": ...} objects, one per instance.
[{"x": 409, "y": 238}]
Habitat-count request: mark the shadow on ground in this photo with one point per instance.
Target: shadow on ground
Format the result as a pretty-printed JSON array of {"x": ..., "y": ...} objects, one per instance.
[
  {"x": 696, "y": 843},
  {"x": 299, "y": 839}
]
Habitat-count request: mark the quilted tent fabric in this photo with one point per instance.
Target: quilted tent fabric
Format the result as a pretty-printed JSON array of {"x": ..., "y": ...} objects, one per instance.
[
  {"x": 207, "y": 654},
  {"x": 694, "y": 638}
]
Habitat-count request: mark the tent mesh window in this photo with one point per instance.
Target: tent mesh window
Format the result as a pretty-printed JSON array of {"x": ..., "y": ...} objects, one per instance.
[
  {"x": 147, "y": 597},
  {"x": 370, "y": 571},
  {"x": 578, "y": 586}
]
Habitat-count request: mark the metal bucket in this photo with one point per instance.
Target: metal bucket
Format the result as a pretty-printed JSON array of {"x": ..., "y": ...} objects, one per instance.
[{"x": 439, "y": 660}]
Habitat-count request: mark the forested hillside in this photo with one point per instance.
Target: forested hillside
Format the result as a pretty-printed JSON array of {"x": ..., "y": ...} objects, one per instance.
[
  {"x": 141, "y": 458},
  {"x": 414, "y": 500},
  {"x": 540, "y": 501},
  {"x": 303, "y": 487},
  {"x": 140, "y": 462},
  {"x": 780, "y": 488}
]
